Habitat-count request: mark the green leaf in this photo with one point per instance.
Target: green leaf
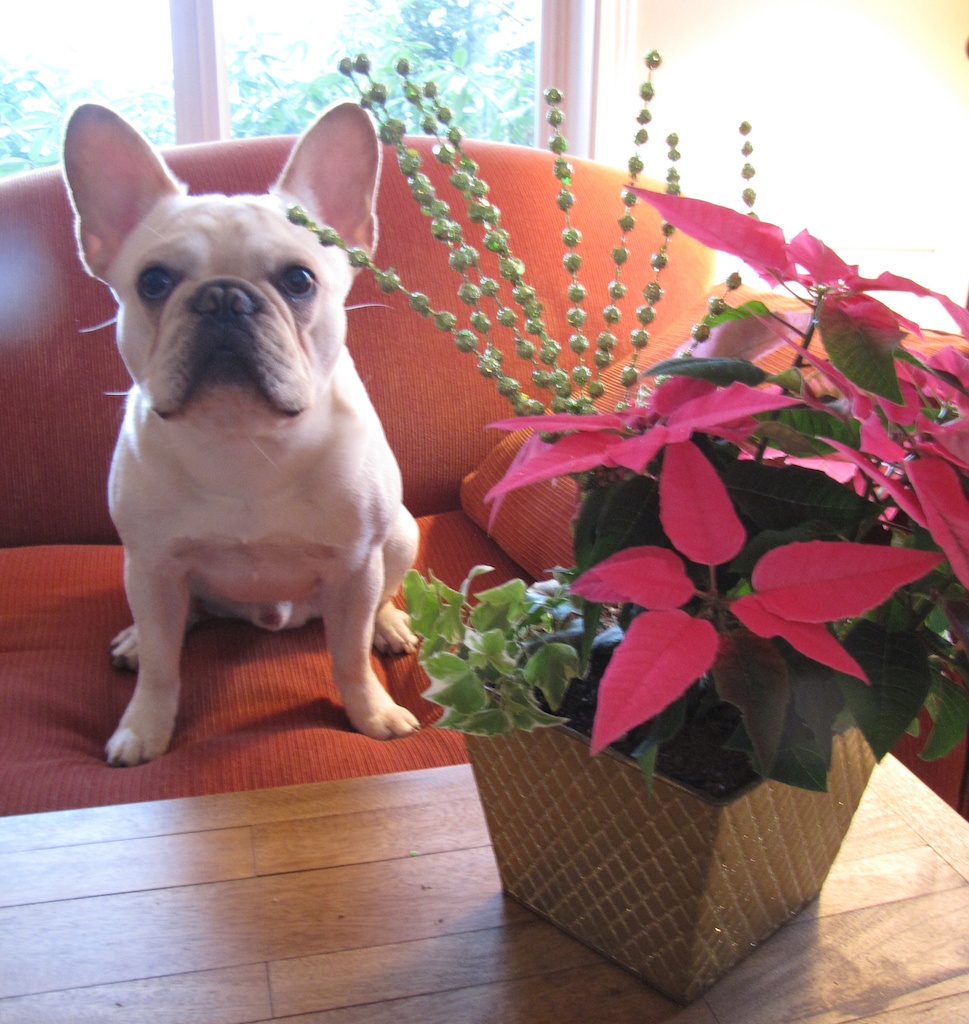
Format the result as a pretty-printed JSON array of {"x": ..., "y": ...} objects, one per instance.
[
  {"x": 898, "y": 667},
  {"x": 782, "y": 497},
  {"x": 550, "y": 669},
  {"x": 526, "y": 715},
  {"x": 454, "y": 684},
  {"x": 489, "y": 722},
  {"x": 620, "y": 515},
  {"x": 476, "y": 571},
  {"x": 435, "y": 609},
  {"x": 818, "y": 699},
  {"x": 500, "y": 607},
  {"x": 948, "y": 704},
  {"x": 864, "y": 354},
  {"x": 802, "y": 766},
  {"x": 744, "y": 312},
  {"x": 789, "y": 440},
  {"x": 813, "y": 425},
  {"x": 662, "y": 729},
  {"x": 750, "y": 673},
  {"x": 489, "y": 649},
  {"x": 721, "y": 371}
]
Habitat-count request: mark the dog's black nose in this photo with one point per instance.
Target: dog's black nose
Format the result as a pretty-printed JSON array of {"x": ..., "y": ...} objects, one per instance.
[{"x": 224, "y": 300}]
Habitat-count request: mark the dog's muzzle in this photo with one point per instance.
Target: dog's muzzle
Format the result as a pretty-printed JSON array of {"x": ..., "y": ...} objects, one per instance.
[
  {"x": 232, "y": 341},
  {"x": 224, "y": 349}
]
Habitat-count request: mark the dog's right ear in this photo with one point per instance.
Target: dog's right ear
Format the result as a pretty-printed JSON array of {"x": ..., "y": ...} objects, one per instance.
[{"x": 114, "y": 177}]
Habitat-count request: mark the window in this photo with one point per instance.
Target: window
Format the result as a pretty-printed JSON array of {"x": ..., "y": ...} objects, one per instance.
[
  {"x": 481, "y": 53},
  {"x": 247, "y": 67},
  {"x": 54, "y": 55}
]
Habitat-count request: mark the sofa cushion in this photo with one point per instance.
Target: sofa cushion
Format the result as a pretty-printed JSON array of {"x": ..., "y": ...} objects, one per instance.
[{"x": 258, "y": 709}]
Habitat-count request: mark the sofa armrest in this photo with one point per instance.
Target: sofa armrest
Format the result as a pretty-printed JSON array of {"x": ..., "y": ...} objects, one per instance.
[{"x": 531, "y": 525}]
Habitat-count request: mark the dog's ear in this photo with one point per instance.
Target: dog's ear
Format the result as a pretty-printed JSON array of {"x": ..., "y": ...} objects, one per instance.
[
  {"x": 333, "y": 173},
  {"x": 114, "y": 177}
]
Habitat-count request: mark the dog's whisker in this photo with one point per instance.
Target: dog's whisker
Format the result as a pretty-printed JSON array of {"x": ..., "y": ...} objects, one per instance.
[
  {"x": 99, "y": 327},
  {"x": 252, "y": 441},
  {"x": 368, "y": 305}
]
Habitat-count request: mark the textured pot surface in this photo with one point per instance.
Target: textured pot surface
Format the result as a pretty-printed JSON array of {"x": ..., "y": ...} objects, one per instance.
[{"x": 676, "y": 888}]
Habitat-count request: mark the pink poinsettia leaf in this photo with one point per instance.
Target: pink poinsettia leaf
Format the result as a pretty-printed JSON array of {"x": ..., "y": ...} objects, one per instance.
[
  {"x": 951, "y": 442},
  {"x": 810, "y": 638},
  {"x": 661, "y": 655},
  {"x": 823, "y": 265},
  {"x": 649, "y": 576},
  {"x": 725, "y": 406},
  {"x": 636, "y": 453},
  {"x": 902, "y": 414},
  {"x": 574, "y": 453},
  {"x": 564, "y": 421},
  {"x": 875, "y": 440},
  {"x": 869, "y": 311},
  {"x": 940, "y": 491},
  {"x": 695, "y": 508},
  {"x": 893, "y": 283},
  {"x": 951, "y": 361},
  {"x": 757, "y": 243},
  {"x": 675, "y": 392},
  {"x": 823, "y": 581}
]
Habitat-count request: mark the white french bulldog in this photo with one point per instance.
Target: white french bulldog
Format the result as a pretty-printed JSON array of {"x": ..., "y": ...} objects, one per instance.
[{"x": 251, "y": 476}]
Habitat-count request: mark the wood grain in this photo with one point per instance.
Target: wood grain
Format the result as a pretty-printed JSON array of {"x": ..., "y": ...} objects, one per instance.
[{"x": 377, "y": 900}]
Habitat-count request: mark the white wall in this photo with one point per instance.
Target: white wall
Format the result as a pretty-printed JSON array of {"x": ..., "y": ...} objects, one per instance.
[{"x": 860, "y": 111}]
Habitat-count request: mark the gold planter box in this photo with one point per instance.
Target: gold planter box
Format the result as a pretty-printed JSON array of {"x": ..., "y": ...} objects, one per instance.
[{"x": 678, "y": 888}]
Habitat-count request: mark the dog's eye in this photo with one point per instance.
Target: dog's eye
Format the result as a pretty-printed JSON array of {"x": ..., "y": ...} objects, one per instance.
[
  {"x": 155, "y": 284},
  {"x": 296, "y": 282}
]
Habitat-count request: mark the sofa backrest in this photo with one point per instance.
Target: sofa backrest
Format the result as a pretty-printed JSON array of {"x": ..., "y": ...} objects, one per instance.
[{"x": 62, "y": 381}]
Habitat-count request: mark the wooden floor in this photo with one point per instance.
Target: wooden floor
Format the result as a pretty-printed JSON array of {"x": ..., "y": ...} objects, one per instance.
[{"x": 377, "y": 901}]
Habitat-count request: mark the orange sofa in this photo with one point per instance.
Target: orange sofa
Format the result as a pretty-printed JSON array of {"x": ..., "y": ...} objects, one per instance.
[{"x": 259, "y": 709}]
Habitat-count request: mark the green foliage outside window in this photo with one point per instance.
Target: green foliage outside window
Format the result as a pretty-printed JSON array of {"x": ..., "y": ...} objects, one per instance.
[{"x": 478, "y": 51}]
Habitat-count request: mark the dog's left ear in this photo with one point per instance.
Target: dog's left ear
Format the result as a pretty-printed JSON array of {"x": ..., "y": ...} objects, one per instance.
[{"x": 333, "y": 173}]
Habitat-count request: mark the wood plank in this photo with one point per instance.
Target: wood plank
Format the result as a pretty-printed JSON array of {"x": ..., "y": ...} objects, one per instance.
[
  {"x": 592, "y": 994},
  {"x": 359, "y": 976},
  {"x": 877, "y": 827},
  {"x": 870, "y": 881},
  {"x": 941, "y": 1011},
  {"x": 107, "y": 939},
  {"x": 365, "y": 836},
  {"x": 922, "y": 1004},
  {"x": 233, "y": 996},
  {"x": 848, "y": 965},
  {"x": 98, "y": 869},
  {"x": 930, "y": 816},
  {"x": 232, "y": 810}
]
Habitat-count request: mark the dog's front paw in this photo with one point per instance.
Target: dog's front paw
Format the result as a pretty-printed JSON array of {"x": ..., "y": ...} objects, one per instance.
[
  {"x": 128, "y": 747},
  {"x": 391, "y": 723},
  {"x": 375, "y": 714},
  {"x": 124, "y": 650},
  {"x": 392, "y": 633}
]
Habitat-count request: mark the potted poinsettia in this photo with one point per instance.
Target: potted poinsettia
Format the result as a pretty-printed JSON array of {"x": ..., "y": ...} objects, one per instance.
[
  {"x": 771, "y": 543},
  {"x": 820, "y": 512}
]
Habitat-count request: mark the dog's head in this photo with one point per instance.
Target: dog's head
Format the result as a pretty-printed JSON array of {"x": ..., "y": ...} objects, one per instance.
[{"x": 221, "y": 292}]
